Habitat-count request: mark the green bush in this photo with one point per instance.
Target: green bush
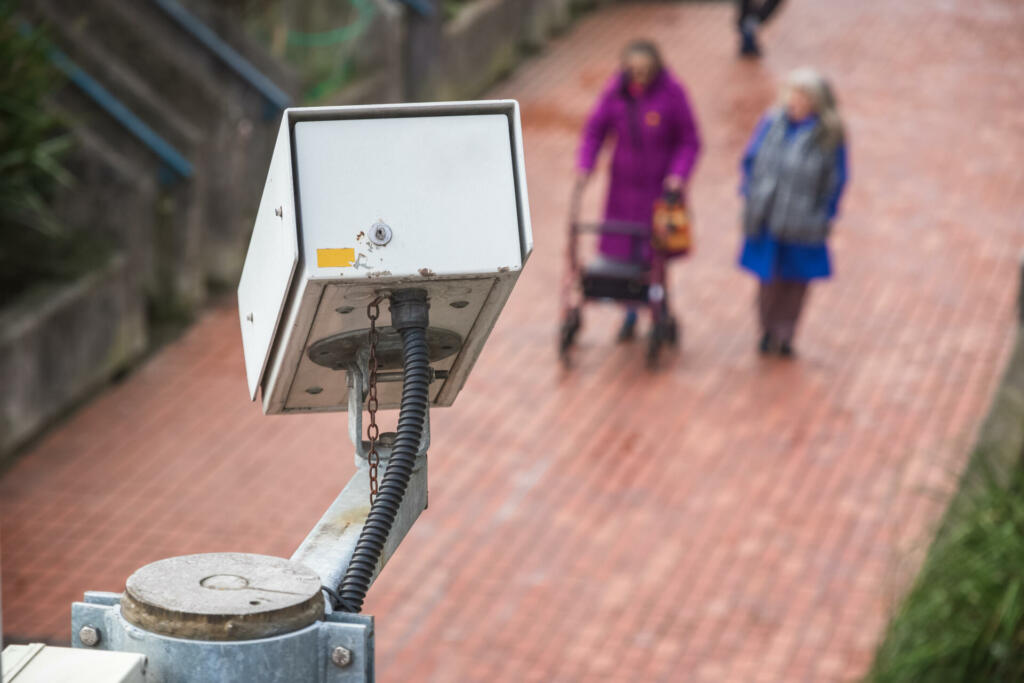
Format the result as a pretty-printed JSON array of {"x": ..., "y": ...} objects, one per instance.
[
  {"x": 34, "y": 247},
  {"x": 964, "y": 618}
]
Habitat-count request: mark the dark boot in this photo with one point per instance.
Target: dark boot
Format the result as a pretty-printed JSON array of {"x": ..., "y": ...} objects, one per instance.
[{"x": 748, "y": 39}]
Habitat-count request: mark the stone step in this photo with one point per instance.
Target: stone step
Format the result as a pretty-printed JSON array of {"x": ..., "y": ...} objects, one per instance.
[
  {"x": 121, "y": 77},
  {"x": 189, "y": 96},
  {"x": 135, "y": 41}
]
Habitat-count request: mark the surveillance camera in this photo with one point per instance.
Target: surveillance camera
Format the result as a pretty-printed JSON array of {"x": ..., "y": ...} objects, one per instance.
[{"x": 364, "y": 201}]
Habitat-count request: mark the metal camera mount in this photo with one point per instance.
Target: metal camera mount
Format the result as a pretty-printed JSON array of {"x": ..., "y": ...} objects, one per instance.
[{"x": 419, "y": 207}]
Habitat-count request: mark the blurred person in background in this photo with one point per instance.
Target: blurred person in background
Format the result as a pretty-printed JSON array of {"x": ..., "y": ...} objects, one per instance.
[
  {"x": 794, "y": 171},
  {"x": 656, "y": 146},
  {"x": 753, "y": 13}
]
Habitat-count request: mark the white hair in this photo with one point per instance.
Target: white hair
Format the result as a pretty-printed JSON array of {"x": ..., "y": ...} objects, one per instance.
[{"x": 812, "y": 83}]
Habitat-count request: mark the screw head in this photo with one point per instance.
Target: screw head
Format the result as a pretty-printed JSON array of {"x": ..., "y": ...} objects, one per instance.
[
  {"x": 341, "y": 657},
  {"x": 89, "y": 636},
  {"x": 279, "y": 212}
]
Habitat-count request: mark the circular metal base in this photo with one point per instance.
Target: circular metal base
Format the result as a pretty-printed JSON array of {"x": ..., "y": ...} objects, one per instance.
[
  {"x": 223, "y": 596},
  {"x": 342, "y": 350}
]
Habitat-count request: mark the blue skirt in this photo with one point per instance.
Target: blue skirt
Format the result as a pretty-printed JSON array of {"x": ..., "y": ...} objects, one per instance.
[{"x": 768, "y": 259}]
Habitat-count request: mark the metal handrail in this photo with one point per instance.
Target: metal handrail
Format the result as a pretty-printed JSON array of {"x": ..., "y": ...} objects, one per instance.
[
  {"x": 421, "y": 7},
  {"x": 227, "y": 54},
  {"x": 170, "y": 156},
  {"x": 614, "y": 227}
]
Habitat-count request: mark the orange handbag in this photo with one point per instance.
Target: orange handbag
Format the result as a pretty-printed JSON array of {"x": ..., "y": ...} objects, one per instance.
[{"x": 672, "y": 232}]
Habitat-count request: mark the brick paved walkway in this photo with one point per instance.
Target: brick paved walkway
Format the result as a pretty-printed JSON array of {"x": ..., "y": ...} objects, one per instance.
[{"x": 729, "y": 519}]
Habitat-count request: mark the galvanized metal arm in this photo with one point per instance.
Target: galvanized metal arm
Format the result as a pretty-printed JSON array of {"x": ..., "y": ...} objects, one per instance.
[{"x": 328, "y": 548}]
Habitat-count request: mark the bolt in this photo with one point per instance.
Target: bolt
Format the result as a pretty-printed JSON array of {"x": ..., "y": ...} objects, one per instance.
[
  {"x": 341, "y": 656},
  {"x": 249, "y": 317},
  {"x": 279, "y": 212},
  {"x": 89, "y": 636}
]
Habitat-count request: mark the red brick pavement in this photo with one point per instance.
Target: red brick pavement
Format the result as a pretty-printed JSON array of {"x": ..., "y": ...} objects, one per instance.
[{"x": 728, "y": 519}]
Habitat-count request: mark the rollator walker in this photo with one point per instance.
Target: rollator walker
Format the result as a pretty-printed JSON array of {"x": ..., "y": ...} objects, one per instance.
[{"x": 635, "y": 281}]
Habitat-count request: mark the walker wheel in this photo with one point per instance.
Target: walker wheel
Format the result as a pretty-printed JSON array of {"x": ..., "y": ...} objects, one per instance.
[
  {"x": 567, "y": 334},
  {"x": 672, "y": 332},
  {"x": 654, "y": 341}
]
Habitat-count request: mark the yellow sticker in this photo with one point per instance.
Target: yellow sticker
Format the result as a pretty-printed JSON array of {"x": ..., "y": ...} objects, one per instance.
[{"x": 335, "y": 258}]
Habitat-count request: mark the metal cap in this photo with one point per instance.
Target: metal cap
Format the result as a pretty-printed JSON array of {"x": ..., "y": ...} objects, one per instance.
[
  {"x": 409, "y": 308},
  {"x": 223, "y": 596}
]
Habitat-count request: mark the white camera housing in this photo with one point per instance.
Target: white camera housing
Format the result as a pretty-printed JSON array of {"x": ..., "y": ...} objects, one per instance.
[{"x": 361, "y": 201}]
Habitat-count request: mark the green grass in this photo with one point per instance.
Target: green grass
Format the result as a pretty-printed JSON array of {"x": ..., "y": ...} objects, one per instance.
[{"x": 964, "y": 617}]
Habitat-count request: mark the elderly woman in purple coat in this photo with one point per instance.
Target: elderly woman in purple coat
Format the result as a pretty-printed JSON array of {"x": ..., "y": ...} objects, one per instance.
[
  {"x": 794, "y": 171},
  {"x": 656, "y": 148}
]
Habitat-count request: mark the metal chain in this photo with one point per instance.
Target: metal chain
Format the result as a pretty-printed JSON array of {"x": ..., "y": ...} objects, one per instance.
[{"x": 372, "y": 430}]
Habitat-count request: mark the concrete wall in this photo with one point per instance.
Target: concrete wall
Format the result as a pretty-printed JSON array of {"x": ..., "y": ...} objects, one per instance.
[
  {"x": 377, "y": 60},
  {"x": 59, "y": 345},
  {"x": 484, "y": 42}
]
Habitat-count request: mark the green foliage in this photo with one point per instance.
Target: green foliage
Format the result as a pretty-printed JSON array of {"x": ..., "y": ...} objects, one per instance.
[
  {"x": 34, "y": 246},
  {"x": 449, "y": 8},
  {"x": 28, "y": 145},
  {"x": 964, "y": 618}
]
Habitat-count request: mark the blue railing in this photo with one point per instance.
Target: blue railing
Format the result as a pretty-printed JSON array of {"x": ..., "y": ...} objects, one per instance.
[
  {"x": 276, "y": 97},
  {"x": 168, "y": 155},
  {"x": 420, "y": 6}
]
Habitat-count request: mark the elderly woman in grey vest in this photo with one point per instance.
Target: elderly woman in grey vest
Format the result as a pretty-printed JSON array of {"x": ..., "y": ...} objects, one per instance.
[{"x": 794, "y": 171}]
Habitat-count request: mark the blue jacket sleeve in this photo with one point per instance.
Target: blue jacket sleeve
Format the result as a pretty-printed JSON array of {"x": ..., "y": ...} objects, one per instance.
[
  {"x": 750, "y": 154},
  {"x": 840, "y": 182}
]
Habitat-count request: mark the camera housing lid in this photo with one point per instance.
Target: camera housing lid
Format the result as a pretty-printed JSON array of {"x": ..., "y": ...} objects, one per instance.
[{"x": 361, "y": 201}]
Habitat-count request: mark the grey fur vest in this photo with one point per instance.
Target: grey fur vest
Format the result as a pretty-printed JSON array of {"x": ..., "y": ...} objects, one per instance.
[{"x": 789, "y": 185}]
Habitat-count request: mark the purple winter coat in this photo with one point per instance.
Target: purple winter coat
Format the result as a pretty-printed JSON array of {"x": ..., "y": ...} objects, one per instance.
[{"x": 655, "y": 136}]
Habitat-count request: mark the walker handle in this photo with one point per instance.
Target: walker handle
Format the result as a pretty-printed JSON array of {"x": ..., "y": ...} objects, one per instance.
[{"x": 576, "y": 200}]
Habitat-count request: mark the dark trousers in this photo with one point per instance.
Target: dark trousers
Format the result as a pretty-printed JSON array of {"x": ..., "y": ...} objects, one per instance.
[
  {"x": 753, "y": 9},
  {"x": 779, "y": 303}
]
